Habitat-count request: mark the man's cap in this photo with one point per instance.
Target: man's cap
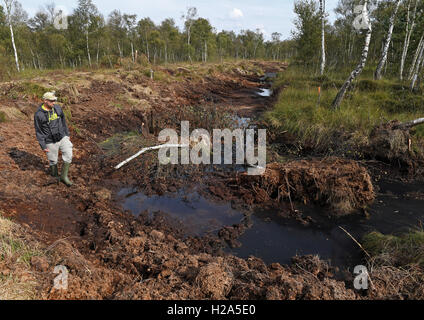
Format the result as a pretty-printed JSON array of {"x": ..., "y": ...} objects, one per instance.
[{"x": 50, "y": 96}]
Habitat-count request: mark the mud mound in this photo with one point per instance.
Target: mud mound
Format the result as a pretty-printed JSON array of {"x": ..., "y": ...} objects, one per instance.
[
  {"x": 341, "y": 185},
  {"x": 214, "y": 281}
]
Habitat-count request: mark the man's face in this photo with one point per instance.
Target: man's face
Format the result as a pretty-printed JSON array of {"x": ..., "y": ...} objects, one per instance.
[{"x": 49, "y": 103}]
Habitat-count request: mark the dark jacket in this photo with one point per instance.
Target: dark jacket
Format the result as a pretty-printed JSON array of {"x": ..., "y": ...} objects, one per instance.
[{"x": 48, "y": 127}]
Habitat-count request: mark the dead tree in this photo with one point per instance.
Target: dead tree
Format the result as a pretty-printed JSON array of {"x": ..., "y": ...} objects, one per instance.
[{"x": 409, "y": 124}]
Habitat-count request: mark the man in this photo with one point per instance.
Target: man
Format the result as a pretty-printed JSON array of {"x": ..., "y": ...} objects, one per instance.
[{"x": 53, "y": 135}]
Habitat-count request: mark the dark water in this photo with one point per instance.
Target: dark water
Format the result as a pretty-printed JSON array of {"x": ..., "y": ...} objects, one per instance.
[
  {"x": 198, "y": 215},
  {"x": 277, "y": 239}
]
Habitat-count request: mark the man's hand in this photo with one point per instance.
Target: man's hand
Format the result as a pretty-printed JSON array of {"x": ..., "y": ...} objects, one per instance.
[{"x": 46, "y": 150}]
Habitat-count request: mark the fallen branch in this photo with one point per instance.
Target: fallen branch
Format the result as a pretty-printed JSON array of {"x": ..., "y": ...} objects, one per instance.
[
  {"x": 369, "y": 256},
  {"x": 148, "y": 149},
  {"x": 360, "y": 246},
  {"x": 409, "y": 124}
]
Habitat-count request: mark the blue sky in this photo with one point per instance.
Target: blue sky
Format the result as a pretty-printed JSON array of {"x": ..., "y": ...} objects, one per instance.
[{"x": 267, "y": 15}]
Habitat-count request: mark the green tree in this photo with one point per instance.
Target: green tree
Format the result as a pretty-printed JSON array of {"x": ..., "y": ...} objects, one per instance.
[
  {"x": 86, "y": 19},
  {"x": 145, "y": 28},
  {"x": 308, "y": 32},
  {"x": 202, "y": 36}
]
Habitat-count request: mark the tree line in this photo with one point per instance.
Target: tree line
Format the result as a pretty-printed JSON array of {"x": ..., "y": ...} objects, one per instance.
[
  {"x": 92, "y": 40},
  {"x": 391, "y": 39}
]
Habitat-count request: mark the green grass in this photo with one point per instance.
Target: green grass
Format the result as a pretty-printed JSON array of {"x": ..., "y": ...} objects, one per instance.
[
  {"x": 313, "y": 122},
  {"x": 2, "y": 117},
  {"x": 68, "y": 113},
  {"x": 396, "y": 250}
]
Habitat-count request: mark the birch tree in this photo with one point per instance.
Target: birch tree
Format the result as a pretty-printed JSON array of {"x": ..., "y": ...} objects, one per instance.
[
  {"x": 323, "y": 57},
  {"x": 145, "y": 28},
  {"x": 116, "y": 25},
  {"x": 362, "y": 22},
  {"x": 415, "y": 58},
  {"x": 189, "y": 21},
  {"x": 9, "y": 4},
  {"x": 88, "y": 17},
  {"x": 417, "y": 68},
  {"x": 383, "y": 59},
  {"x": 410, "y": 25},
  {"x": 130, "y": 24}
]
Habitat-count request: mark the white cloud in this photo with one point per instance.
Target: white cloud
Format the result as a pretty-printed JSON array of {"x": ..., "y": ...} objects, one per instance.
[{"x": 236, "y": 13}]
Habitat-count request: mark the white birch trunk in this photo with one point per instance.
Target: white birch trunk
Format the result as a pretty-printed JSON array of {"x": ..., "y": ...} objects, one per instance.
[
  {"x": 188, "y": 41},
  {"x": 416, "y": 55},
  {"x": 14, "y": 46},
  {"x": 9, "y": 6},
  {"x": 88, "y": 49},
  {"x": 383, "y": 59},
  {"x": 410, "y": 124},
  {"x": 323, "y": 57},
  {"x": 98, "y": 52},
  {"x": 409, "y": 30},
  {"x": 147, "y": 48},
  {"x": 417, "y": 68},
  {"x": 120, "y": 51},
  {"x": 340, "y": 95},
  {"x": 33, "y": 58}
]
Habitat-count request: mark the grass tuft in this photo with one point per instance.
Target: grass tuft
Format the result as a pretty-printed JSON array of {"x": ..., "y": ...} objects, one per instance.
[{"x": 396, "y": 250}]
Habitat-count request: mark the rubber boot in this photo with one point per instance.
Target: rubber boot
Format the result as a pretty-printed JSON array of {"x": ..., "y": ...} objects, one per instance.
[
  {"x": 64, "y": 174},
  {"x": 54, "y": 172}
]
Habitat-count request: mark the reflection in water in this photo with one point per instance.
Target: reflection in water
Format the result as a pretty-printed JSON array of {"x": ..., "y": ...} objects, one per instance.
[
  {"x": 276, "y": 239},
  {"x": 265, "y": 92},
  {"x": 198, "y": 214}
]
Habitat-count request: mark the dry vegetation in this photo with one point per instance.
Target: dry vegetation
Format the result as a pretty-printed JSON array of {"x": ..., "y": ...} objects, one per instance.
[
  {"x": 17, "y": 280},
  {"x": 396, "y": 266}
]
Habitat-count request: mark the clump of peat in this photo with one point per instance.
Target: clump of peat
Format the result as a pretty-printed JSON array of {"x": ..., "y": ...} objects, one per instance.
[{"x": 341, "y": 185}]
